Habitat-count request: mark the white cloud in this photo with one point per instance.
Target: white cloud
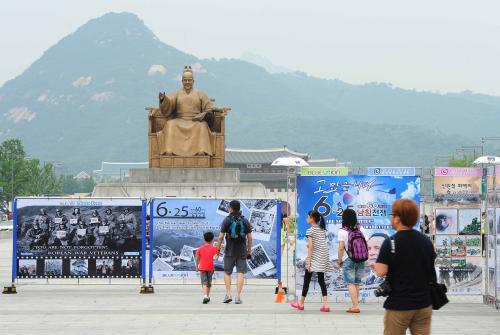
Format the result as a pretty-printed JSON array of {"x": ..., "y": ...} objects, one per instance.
[
  {"x": 157, "y": 69},
  {"x": 82, "y": 81},
  {"x": 198, "y": 68},
  {"x": 412, "y": 190},
  {"x": 18, "y": 114},
  {"x": 102, "y": 96},
  {"x": 42, "y": 97}
]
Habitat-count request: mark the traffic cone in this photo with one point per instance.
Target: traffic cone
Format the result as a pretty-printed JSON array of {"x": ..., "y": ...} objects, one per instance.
[{"x": 280, "y": 299}]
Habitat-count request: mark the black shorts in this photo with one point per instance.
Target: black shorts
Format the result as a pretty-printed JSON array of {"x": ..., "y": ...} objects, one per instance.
[
  {"x": 206, "y": 278},
  {"x": 230, "y": 262}
]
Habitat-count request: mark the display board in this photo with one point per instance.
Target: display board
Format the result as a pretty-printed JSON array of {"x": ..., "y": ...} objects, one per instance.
[
  {"x": 457, "y": 186},
  {"x": 371, "y": 197},
  {"x": 178, "y": 226},
  {"x": 73, "y": 238},
  {"x": 459, "y": 262},
  {"x": 497, "y": 232},
  {"x": 457, "y": 229},
  {"x": 492, "y": 217}
]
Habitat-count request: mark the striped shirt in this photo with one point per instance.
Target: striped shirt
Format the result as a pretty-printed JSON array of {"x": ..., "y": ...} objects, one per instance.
[{"x": 320, "y": 257}]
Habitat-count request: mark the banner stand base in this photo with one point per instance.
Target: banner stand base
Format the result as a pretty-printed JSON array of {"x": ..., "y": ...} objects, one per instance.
[
  {"x": 147, "y": 289},
  {"x": 10, "y": 290}
]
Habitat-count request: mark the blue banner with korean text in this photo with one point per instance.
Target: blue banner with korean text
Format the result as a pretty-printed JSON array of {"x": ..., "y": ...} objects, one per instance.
[{"x": 371, "y": 197}]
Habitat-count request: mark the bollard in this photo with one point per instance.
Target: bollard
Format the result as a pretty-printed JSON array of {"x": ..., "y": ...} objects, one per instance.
[
  {"x": 147, "y": 289},
  {"x": 10, "y": 289}
]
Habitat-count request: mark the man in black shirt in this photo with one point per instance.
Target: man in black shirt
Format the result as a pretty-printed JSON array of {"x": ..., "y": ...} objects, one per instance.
[
  {"x": 409, "y": 267},
  {"x": 238, "y": 234}
]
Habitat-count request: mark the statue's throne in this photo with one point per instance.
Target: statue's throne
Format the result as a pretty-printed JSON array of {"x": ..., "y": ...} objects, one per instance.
[{"x": 156, "y": 122}]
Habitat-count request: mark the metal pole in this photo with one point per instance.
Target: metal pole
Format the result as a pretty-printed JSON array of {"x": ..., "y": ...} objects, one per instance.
[
  {"x": 11, "y": 177},
  {"x": 14, "y": 242},
  {"x": 287, "y": 228},
  {"x": 151, "y": 240},
  {"x": 143, "y": 246}
]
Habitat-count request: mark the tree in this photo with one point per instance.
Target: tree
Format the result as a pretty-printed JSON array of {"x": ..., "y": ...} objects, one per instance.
[
  {"x": 71, "y": 185},
  {"x": 41, "y": 179},
  {"x": 87, "y": 185},
  {"x": 461, "y": 162},
  {"x": 20, "y": 176}
]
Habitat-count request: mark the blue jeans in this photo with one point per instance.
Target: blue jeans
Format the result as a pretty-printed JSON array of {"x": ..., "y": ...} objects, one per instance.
[{"x": 354, "y": 273}]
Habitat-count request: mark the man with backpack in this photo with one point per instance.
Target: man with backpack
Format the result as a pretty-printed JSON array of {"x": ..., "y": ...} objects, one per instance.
[
  {"x": 238, "y": 234},
  {"x": 352, "y": 256}
]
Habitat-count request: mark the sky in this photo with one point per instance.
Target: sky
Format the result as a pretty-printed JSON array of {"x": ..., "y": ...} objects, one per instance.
[{"x": 441, "y": 46}]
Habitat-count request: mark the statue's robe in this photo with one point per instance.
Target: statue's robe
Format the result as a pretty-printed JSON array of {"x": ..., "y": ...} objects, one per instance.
[{"x": 184, "y": 133}]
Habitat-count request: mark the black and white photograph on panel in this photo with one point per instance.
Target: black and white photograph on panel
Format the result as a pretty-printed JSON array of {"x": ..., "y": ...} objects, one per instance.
[
  {"x": 260, "y": 262},
  {"x": 27, "y": 268},
  {"x": 79, "y": 267},
  {"x": 79, "y": 229},
  {"x": 105, "y": 267},
  {"x": 262, "y": 224},
  {"x": 53, "y": 268},
  {"x": 130, "y": 267}
]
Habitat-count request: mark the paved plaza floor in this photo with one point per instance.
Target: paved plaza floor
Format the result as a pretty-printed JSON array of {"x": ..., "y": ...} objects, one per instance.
[{"x": 39, "y": 308}]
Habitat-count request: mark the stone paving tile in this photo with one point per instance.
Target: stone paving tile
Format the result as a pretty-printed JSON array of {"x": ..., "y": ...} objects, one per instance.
[{"x": 176, "y": 309}]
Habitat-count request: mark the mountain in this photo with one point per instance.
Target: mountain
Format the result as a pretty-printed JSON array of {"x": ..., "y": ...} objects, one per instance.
[
  {"x": 263, "y": 62},
  {"x": 83, "y": 102}
]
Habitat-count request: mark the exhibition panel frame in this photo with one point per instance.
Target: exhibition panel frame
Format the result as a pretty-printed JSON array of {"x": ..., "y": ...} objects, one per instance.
[
  {"x": 371, "y": 196},
  {"x": 65, "y": 238},
  {"x": 176, "y": 232}
]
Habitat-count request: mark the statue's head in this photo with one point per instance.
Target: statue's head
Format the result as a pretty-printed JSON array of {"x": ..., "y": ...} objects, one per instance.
[{"x": 187, "y": 78}]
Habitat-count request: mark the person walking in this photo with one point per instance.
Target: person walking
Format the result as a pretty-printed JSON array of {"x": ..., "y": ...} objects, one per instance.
[
  {"x": 407, "y": 261},
  {"x": 318, "y": 259},
  {"x": 238, "y": 234},
  {"x": 205, "y": 264},
  {"x": 352, "y": 256}
]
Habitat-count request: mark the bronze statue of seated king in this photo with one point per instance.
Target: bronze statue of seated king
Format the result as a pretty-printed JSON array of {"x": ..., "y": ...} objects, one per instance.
[{"x": 186, "y": 130}]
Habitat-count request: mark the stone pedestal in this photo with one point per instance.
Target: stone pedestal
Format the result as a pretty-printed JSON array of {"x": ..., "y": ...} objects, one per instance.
[
  {"x": 182, "y": 175},
  {"x": 182, "y": 182}
]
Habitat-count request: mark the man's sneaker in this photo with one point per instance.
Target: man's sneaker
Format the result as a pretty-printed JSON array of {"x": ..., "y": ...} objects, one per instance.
[
  {"x": 227, "y": 299},
  {"x": 238, "y": 301},
  {"x": 206, "y": 300}
]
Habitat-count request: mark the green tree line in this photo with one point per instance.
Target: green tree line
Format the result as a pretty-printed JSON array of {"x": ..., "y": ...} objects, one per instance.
[
  {"x": 465, "y": 161},
  {"x": 21, "y": 175}
]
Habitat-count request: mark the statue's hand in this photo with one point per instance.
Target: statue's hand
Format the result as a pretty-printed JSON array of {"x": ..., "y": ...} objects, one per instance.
[
  {"x": 199, "y": 117},
  {"x": 209, "y": 118},
  {"x": 151, "y": 111}
]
